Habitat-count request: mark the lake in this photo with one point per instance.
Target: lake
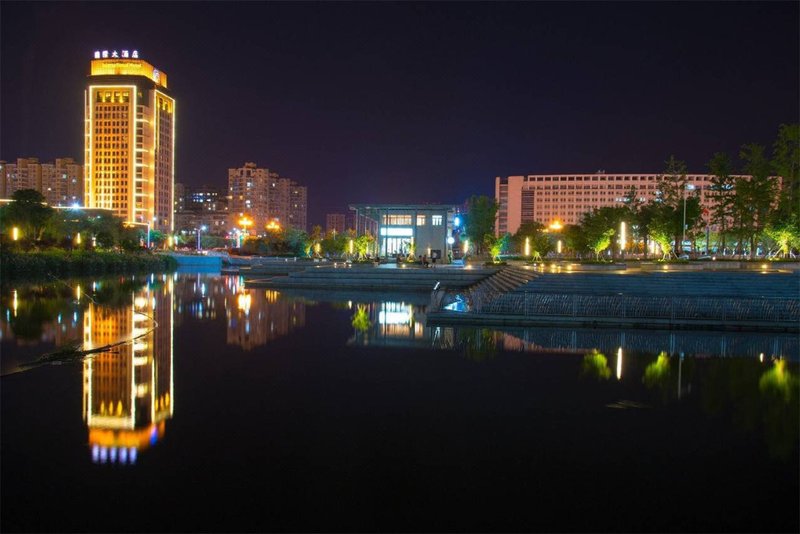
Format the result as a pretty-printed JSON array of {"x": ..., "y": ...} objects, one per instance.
[{"x": 205, "y": 406}]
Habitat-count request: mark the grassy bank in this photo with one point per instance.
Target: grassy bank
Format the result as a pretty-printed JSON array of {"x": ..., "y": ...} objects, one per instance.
[{"x": 15, "y": 264}]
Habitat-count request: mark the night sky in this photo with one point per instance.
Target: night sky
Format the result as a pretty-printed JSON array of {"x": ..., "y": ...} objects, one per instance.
[{"x": 408, "y": 102}]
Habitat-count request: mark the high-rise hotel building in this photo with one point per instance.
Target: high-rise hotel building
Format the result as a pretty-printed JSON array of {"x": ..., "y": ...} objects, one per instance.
[{"x": 130, "y": 140}]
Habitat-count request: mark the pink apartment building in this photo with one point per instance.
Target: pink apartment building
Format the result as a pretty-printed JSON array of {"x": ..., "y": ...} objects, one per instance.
[{"x": 564, "y": 198}]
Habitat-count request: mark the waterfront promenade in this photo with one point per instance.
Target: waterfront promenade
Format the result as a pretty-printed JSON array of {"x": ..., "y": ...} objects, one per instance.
[{"x": 682, "y": 296}]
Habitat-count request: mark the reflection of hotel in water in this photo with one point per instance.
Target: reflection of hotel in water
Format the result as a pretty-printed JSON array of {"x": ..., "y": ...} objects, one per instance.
[
  {"x": 257, "y": 317},
  {"x": 128, "y": 391}
]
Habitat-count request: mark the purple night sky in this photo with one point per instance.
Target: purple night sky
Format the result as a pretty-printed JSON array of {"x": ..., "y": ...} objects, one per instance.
[{"x": 412, "y": 102}]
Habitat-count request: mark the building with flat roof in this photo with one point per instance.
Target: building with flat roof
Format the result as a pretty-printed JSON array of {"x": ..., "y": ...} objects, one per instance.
[
  {"x": 129, "y": 140},
  {"x": 261, "y": 196},
  {"x": 421, "y": 229},
  {"x": 564, "y": 198},
  {"x": 61, "y": 183},
  {"x": 335, "y": 222}
]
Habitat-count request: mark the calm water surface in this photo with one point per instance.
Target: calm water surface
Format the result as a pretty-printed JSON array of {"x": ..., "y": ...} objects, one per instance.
[{"x": 227, "y": 409}]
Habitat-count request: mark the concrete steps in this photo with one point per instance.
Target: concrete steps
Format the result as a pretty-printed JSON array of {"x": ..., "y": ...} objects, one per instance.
[{"x": 493, "y": 287}]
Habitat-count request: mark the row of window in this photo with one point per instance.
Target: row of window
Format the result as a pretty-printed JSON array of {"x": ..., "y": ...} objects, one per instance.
[
  {"x": 605, "y": 178},
  {"x": 121, "y": 97},
  {"x": 405, "y": 220}
]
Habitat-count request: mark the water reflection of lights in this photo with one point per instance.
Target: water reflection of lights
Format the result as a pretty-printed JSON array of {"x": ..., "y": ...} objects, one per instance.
[
  {"x": 243, "y": 302},
  {"x": 128, "y": 393},
  {"x": 619, "y": 363},
  {"x": 14, "y": 304},
  {"x": 395, "y": 313}
]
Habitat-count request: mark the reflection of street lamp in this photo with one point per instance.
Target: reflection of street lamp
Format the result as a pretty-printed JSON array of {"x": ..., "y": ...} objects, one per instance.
[
  {"x": 15, "y": 234},
  {"x": 689, "y": 187},
  {"x": 527, "y": 246}
]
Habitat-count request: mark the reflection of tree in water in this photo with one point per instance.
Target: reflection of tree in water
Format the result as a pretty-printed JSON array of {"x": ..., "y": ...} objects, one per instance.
[
  {"x": 36, "y": 305},
  {"x": 595, "y": 364},
  {"x": 779, "y": 389},
  {"x": 118, "y": 294},
  {"x": 361, "y": 320},
  {"x": 479, "y": 344},
  {"x": 754, "y": 398}
]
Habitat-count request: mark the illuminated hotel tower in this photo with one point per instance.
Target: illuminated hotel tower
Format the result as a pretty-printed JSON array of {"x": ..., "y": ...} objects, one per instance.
[{"x": 129, "y": 140}]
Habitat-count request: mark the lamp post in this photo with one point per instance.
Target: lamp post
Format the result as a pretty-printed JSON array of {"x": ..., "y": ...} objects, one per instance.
[
  {"x": 689, "y": 187},
  {"x": 199, "y": 230}
]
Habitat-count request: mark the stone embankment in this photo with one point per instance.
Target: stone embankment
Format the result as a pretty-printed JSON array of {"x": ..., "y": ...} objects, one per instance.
[
  {"x": 767, "y": 300},
  {"x": 342, "y": 276}
]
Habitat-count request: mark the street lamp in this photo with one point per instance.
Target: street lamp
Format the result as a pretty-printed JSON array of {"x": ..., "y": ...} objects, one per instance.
[
  {"x": 689, "y": 187},
  {"x": 200, "y": 229}
]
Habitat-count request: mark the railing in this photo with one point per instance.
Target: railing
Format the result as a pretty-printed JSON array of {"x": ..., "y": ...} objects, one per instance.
[{"x": 645, "y": 307}]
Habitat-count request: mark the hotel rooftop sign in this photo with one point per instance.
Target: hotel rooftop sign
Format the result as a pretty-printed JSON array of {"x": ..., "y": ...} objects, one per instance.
[{"x": 125, "y": 63}]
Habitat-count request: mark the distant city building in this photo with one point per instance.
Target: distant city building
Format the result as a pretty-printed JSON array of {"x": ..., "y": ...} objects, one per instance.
[
  {"x": 61, "y": 183},
  {"x": 564, "y": 198},
  {"x": 130, "y": 140},
  {"x": 203, "y": 206},
  {"x": 248, "y": 188},
  {"x": 423, "y": 229},
  {"x": 206, "y": 198},
  {"x": 215, "y": 222},
  {"x": 261, "y": 196},
  {"x": 179, "y": 200},
  {"x": 335, "y": 222}
]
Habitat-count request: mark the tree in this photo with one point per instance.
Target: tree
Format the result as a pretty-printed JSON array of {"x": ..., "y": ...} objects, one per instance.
[
  {"x": 722, "y": 191},
  {"x": 600, "y": 225},
  {"x": 574, "y": 238},
  {"x": 497, "y": 246},
  {"x": 29, "y": 212},
  {"x": 661, "y": 231},
  {"x": 786, "y": 235},
  {"x": 758, "y": 194},
  {"x": 538, "y": 240},
  {"x": 479, "y": 220},
  {"x": 362, "y": 244},
  {"x": 786, "y": 164},
  {"x": 671, "y": 193},
  {"x": 297, "y": 241}
]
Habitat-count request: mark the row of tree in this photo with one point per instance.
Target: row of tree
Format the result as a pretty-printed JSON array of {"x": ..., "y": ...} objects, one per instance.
[
  {"x": 294, "y": 242},
  {"x": 756, "y": 208},
  {"x": 39, "y": 226}
]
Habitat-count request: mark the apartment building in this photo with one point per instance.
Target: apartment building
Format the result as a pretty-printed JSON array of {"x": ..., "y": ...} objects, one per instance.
[
  {"x": 564, "y": 198},
  {"x": 261, "y": 196},
  {"x": 61, "y": 183}
]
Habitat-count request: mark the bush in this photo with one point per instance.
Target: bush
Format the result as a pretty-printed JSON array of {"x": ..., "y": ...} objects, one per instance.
[{"x": 15, "y": 264}]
